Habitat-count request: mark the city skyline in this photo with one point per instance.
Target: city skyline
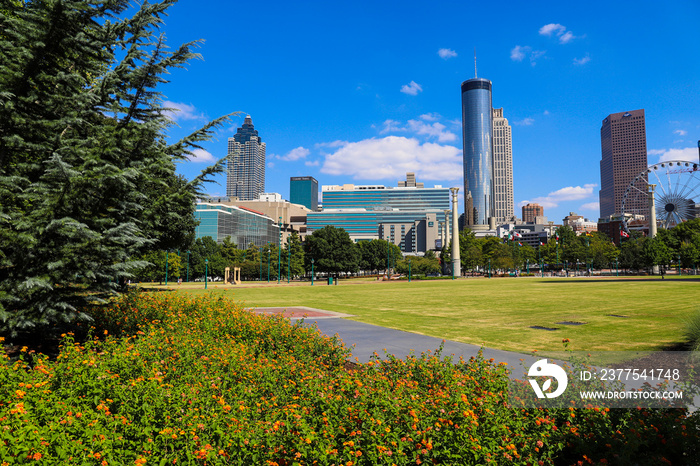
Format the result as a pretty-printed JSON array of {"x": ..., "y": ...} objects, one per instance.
[{"x": 369, "y": 99}]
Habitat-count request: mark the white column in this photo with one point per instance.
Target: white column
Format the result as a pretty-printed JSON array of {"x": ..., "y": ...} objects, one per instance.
[{"x": 456, "y": 268}]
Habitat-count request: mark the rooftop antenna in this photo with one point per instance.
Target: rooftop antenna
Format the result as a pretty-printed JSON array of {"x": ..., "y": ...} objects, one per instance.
[{"x": 474, "y": 62}]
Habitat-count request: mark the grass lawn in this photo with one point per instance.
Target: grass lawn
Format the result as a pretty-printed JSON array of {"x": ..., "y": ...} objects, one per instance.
[{"x": 498, "y": 313}]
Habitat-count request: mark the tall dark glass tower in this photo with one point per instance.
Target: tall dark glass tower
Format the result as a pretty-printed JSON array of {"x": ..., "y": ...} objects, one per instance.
[
  {"x": 477, "y": 137},
  {"x": 246, "y": 163}
]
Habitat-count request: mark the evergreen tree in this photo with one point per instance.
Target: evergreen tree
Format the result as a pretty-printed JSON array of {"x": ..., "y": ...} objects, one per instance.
[{"x": 87, "y": 179}]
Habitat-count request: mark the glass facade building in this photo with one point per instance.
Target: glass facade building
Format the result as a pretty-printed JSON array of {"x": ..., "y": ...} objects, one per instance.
[
  {"x": 362, "y": 210},
  {"x": 244, "y": 226},
  {"x": 477, "y": 137},
  {"x": 246, "y": 163},
  {"x": 303, "y": 190}
]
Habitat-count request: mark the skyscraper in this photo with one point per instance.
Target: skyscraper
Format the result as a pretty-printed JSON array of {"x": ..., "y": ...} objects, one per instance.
[
  {"x": 304, "y": 190},
  {"x": 246, "y": 163},
  {"x": 477, "y": 140},
  {"x": 502, "y": 167},
  {"x": 623, "y": 145},
  {"x": 531, "y": 212}
]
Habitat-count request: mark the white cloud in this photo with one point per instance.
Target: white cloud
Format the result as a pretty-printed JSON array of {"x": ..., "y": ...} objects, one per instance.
[
  {"x": 436, "y": 130},
  {"x": 558, "y": 30},
  {"x": 391, "y": 126},
  {"x": 518, "y": 52},
  {"x": 421, "y": 128},
  {"x": 430, "y": 116},
  {"x": 549, "y": 29},
  {"x": 546, "y": 112},
  {"x": 309, "y": 163},
  {"x": 582, "y": 61},
  {"x": 680, "y": 132},
  {"x": 689, "y": 154},
  {"x": 270, "y": 164},
  {"x": 295, "y": 154},
  {"x": 178, "y": 111},
  {"x": 566, "y": 37},
  {"x": 201, "y": 156},
  {"x": 332, "y": 144},
  {"x": 391, "y": 157},
  {"x": 524, "y": 122},
  {"x": 594, "y": 206},
  {"x": 447, "y": 53},
  {"x": 570, "y": 193},
  {"x": 412, "y": 88}
]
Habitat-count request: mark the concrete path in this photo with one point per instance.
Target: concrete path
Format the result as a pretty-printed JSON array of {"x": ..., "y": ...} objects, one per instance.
[{"x": 368, "y": 339}]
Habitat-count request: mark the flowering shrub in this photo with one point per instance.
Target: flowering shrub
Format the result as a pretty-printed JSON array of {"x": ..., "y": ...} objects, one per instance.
[{"x": 175, "y": 380}]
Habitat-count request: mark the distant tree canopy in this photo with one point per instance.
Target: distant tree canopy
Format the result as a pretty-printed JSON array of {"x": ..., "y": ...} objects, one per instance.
[
  {"x": 87, "y": 179},
  {"x": 332, "y": 250}
]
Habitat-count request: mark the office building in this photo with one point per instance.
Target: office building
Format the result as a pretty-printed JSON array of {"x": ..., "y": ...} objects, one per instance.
[
  {"x": 579, "y": 224},
  {"x": 246, "y": 163},
  {"x": 303, "y": 190},
  {"x": 623, "y": 145},
  {"x": 370, "y": 211},
  {"x": 531, "y": 211},
  {"x": 244, "y": 226},
  {"x": 504, "y": 208},
  {"x": 477, "y": 140}
]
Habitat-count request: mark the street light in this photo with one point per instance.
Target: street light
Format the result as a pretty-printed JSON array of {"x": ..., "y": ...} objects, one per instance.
[
  {"x": 679, "y": 265},
  {"x": 166, "y": 268},
  {"x": 312, "y": 271},
  {"x": 188, "y": 266},
  {"x": 279, "y": 252},
  {"x": 268, "y": 265},
  {"x": 409, "y": 271},
  {"x": 289, "y": 258},
  {"x": 206, "y": 273}
]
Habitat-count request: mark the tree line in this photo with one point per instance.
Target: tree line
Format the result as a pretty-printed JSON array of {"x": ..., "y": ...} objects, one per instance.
[
  {"x": 566, "y": 250},
  {"x": 329, "y": 251}
]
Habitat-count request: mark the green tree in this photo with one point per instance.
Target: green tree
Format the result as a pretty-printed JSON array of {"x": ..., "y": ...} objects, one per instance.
[
  {"x": 655, "y": 252},
  {"x": 206, "y": 249},
  {"x": 296, "y": 264},
  {"x": 86, "y": 174},
  {"x": 631, "y": 255},
  {"x": 332, "y": 250},
  {"x": 230, "y": 252},
  {"x": 155, "y": 270}
]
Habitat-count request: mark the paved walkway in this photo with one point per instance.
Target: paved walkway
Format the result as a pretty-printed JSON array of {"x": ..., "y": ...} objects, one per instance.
[{"x": 369, "y": 339}]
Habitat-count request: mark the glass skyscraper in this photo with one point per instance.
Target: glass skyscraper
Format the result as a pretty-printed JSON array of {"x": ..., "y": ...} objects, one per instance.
[
  {"x": 244, "y": 226},
  {"x": 246, "y": 163},
  {"x": 477, "y": 134},
  {"x": 304, "y": 190}
]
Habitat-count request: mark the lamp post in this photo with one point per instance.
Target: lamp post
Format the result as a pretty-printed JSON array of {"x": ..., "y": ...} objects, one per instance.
[
  {"x": 409, "y": 271},
  {"x": 388, "y": 269},
  {"x": 188, "y": 266},
  {"x": 289, "y": 259},
  {"x": 268, "y": 265},
  {"x": 617, "y": 272},
  {"x": 261, "y": 254},
  {"x": 166, "y": 267},
  {"x": 489, "y": 267},
  {"x": 279, "y": 252},
  {"x": 679, "y": 265},
  {"x": 312, "y": 271},
  {"x": 206, "y": 273}
]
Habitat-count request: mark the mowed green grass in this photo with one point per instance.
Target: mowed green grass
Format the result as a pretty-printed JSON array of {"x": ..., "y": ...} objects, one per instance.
[{"x": 498, "y": 313}]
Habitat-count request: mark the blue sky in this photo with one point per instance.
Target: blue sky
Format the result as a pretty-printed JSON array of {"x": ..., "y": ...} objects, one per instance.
[{"x": 362, "y": 92}]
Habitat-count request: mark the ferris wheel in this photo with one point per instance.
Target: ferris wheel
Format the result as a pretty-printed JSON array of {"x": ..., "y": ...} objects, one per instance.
[{"x": 676, "y": 195}]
